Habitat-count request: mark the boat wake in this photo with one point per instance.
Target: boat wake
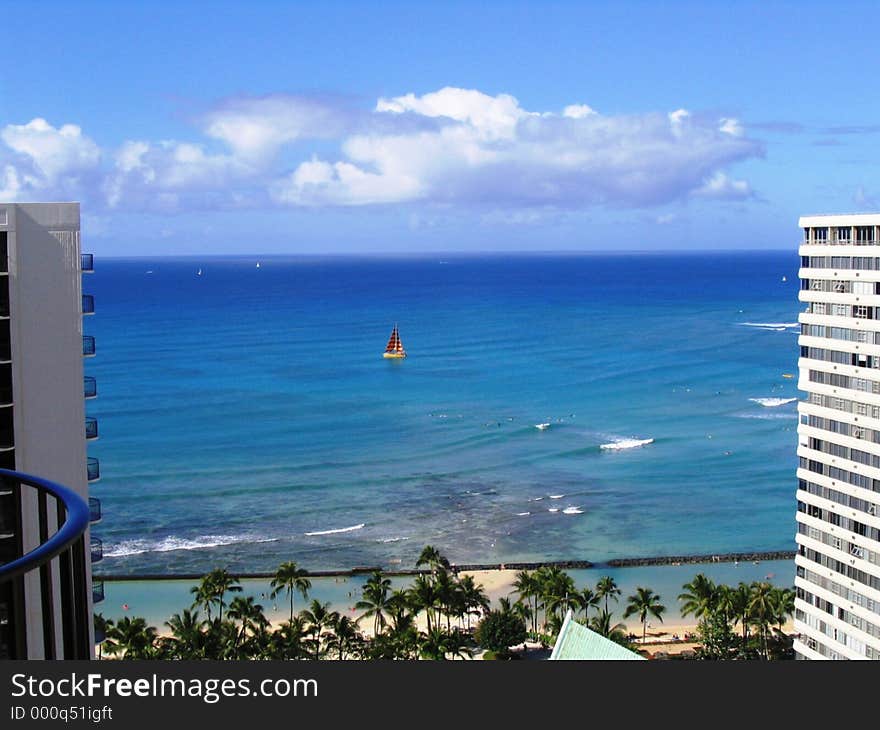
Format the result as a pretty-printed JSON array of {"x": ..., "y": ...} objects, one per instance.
[
  {"x": 772, "y": 402},
  {"x": 622, "y": 444},
  {"x": 169, "y": 544},
  {"x": 334, "y": 532}
]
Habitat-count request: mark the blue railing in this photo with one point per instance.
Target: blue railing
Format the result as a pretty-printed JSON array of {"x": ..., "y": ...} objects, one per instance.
[
  {"x": 87, "y": 263},
  {"x": 88, "y": 345},
  {"x": 74, "y": 525},
  {"x": 88, "y": 304},
  {"x": 91, "y": 427},
  {"x": 90, "y": 387},
  {"x": 60, "y": 518},
  {"x": 97, "y": 591},
  {"x": 93, "y": 469},
  {"x": 94, "y": 510},
  {"x": 96, "y": 549}
]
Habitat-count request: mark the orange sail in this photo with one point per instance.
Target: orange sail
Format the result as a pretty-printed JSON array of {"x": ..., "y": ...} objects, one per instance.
[{"x": 394, "y": 348}]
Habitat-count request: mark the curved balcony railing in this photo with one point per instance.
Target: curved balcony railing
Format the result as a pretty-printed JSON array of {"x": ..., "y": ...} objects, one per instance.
[
  {"x": 91, "y": 428},
  {"x": 93, "y": 469},
  {"x": 94, "y": 510},
  {"x": 7, "y": 439},
  {"x": 88, "y": 304},
  {"x": 90, "y": 387},
  {"x": 87, "y": 263},
  {"x": 96, "y": 549},
  {"x": 5, "y": 395},
  {"x": 61, "y": 517},
  {"x": 97, "y": 591},
  {"x": 88, "y": 345}
]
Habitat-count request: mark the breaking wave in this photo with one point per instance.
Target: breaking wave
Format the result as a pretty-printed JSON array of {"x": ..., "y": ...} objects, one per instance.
[
  {"x": 772, "y": 402},
  {"x": 333, "y": 532},
  {"x": 169, "y": 544},
  {"x": 621, "y": 444}
]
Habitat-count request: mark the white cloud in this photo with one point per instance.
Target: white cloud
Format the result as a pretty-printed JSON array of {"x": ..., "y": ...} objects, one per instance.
[
  {"x": 455, "y": 147},
  {"x": 255, "y": 128},
  {"x": 493, "y": 151},
  {"x": 719, "y": 185},
  {"x": 45, "y": 159}
]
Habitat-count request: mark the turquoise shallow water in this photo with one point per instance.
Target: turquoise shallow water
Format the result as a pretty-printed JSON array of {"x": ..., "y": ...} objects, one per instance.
[
  {"x": 247, "y": 417},
  {"x": 157, "y": 600}
]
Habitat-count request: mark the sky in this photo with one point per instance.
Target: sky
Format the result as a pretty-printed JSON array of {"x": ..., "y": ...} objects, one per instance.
[{"x": 342, "y": 127}]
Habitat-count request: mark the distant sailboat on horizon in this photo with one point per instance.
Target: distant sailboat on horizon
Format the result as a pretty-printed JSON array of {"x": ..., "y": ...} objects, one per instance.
[{"x": 394, "y": 348}]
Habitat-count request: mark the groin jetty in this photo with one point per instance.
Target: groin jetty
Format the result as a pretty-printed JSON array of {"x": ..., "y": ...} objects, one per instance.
[{"x": 563, "y": 564}]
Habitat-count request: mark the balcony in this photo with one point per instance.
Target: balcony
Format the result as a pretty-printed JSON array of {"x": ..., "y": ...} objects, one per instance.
[
  {"x": 88, "y": 304},
  {"x": 88, "y": 346},
  {"x": 91, "y": 428},
  {"x": 93, "y": 470},
  {"x": 61, "y": 606},
  {"x": 97, "y": 591},
  {"x": 96, "y": 550},
  {"x": 87, "y": 263},
  {"x": 5, "y": 395},
  {"x": 7, "y": 439},
  {"x": 90, "y": 387},
  {"x": 94, "y": 510}
]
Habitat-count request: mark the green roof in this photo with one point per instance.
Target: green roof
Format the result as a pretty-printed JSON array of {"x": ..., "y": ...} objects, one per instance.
[{"x": 576, "y": 641}]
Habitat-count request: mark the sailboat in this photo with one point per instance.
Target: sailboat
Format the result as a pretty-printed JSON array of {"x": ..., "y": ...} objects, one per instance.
[{"x": 394, "y": 348}]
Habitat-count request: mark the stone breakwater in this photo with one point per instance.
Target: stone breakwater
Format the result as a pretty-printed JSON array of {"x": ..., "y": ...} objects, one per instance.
[
  {"x": 564, "y": 564},
  {"x": 692, "y": 559}
]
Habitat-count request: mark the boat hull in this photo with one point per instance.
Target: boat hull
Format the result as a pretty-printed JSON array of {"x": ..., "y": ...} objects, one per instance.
[{"x": 394, "y": 355}]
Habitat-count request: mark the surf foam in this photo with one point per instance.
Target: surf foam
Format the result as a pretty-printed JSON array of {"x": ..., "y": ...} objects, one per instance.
[
  {"x": 171, "y": 543},
  {"x": 334, "y": 532},
  {"x": 772, "y": 402},
  {"x": 622, "y": 444}
]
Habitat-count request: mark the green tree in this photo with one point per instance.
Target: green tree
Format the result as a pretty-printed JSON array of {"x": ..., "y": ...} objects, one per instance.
[
  {"x": 699, "y": 596},
  {"x": 291, "y": 579},
  {"x": 102, "y": 626},
  {"x": 606, "y": 588},
  {"x": 187, "y": 637},
  {"x": 133, "y": 638},
  {"x": 375, "y": 602},
  {"x": 717, "y": 640},
  {"x": 644, "y": 603},
  {"x": 500, "y": 630}
]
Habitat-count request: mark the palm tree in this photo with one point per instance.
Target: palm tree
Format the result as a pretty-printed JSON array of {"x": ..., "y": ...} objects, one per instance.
[
  {"x": 762, "y": 609},
  {"x": 740, "y": 597},
  {"x": 102, "y": 626},
  {"x": 528, "y": 587},
  {"x": 606, "y": 588},
  {"x": 423, "y": 594},
  {"x": 250, "y": 614},
  {"x": 375, "y": 601},
  {"x": 222, "y": 582},
  {"x": 187, "y": 637},
  {"x": 287, "y": 641},
  {"x": 644, "y": 603},
  {"x": 431, "y": 557},
  {"x": 601, "y": 624},
  {"x": 699, "y": 596},
  {"x": 474, "y": 598},
  {"x": 318, "y": 618},
  {"x": 587, "y": 599},
  {"x": 345, "y": 636},
  {"x": 290, "y": 578},
  {"x": 133, "y": 638}
]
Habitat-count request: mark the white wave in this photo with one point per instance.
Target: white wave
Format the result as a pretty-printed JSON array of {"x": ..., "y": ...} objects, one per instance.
[
  {"x": 333, "y": 532},
  {"x": 768, "y": 416},
  {"x": 169, "y": 544},
  {"x": 572, "y": 511},
  {"x": 523, "y": 514},
  {"x": 770, "y": 325},
  {"x": 536, "y": 499},
  {"x": 621, "y": 444},
  {"x": 772, "y": 402},
  {"x": 542, "y": 426},
  {"x": 553, "y": 509},
  {"x": 556, "y": 496},
  {"x": 392, "y": 539}
]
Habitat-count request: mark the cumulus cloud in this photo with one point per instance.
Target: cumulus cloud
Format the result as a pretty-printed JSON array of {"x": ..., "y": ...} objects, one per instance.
[
  {"x": 453, "y": 146},
  {"x": 45, "y": 159},
  {"x": 494, "y": 151},
  {"x": 255, "y": 128}
]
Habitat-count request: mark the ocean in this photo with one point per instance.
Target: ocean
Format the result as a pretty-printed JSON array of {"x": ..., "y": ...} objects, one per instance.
[{"x": 247, "y": 417}]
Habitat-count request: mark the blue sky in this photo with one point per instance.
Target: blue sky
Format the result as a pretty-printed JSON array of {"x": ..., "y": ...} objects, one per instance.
[{"x": 281, "y": 127}]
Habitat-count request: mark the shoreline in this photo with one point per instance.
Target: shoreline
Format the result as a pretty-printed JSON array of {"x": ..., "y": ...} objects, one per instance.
[{"x": 671, "y": 560}]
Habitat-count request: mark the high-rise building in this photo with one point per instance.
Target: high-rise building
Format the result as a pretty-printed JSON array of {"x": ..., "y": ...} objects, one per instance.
[
  {"x": 43, "y": 425},
  {"x": 837, "y": 609}
]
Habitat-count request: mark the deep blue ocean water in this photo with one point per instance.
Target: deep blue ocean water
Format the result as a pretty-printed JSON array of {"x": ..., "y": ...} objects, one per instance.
[{"x": 242, "y": 409}]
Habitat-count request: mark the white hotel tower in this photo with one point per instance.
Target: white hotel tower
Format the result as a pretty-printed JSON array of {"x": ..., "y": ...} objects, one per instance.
[{"x": 837, "y": 610}]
